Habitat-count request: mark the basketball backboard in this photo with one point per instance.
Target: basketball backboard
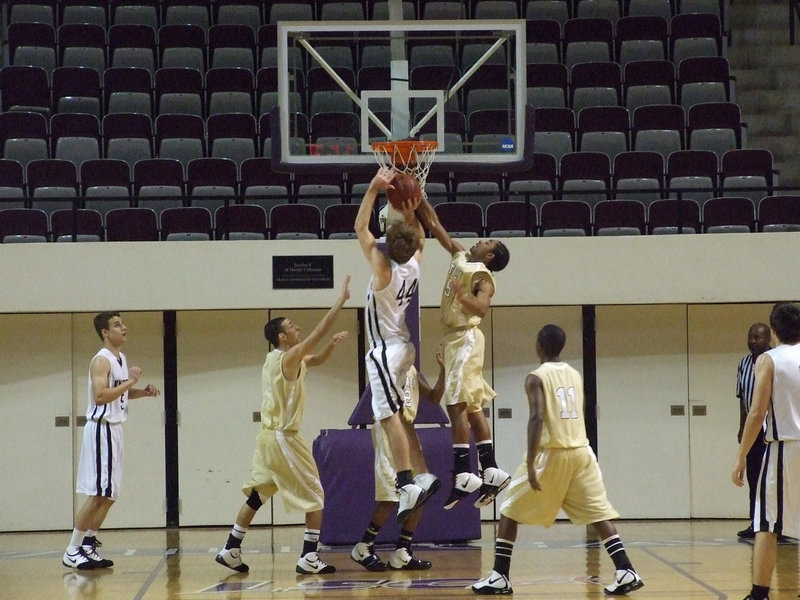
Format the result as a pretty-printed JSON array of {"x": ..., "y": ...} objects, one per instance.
[{"x": 453, "y": 82}]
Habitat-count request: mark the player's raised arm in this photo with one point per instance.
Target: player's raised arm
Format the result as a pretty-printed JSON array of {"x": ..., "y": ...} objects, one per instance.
[
  {"x": 314, "y": 360},
  {"x": 381, "y": 269},
  {"x": 429, "y": 219},
  {"x": 293, "y": 356}
]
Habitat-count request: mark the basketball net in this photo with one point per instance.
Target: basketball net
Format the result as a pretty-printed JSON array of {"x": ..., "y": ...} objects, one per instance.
[{"x": 413, "y": 157}]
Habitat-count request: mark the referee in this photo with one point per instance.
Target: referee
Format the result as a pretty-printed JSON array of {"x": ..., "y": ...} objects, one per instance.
[{"x": 758, "y": 339}]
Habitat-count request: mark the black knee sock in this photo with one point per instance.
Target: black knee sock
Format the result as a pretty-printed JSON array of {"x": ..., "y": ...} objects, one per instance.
[
  {"x": 616, "y": 550},
  {"x": 460, "y": 458},
  {"x": 404, "y": 541},
  {"x": 502, "y": 556},
  {"x": 486, "y": 454},
  {"x": 371, "y": 533},
  {"x": 404, "y": 478},
  {"x": 310, "y": 541},
  {"x": 235, "y": 537}
]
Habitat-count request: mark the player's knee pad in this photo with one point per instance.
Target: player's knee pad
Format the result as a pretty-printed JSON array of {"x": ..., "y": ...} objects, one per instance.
[{"x": 254, "y": 500}]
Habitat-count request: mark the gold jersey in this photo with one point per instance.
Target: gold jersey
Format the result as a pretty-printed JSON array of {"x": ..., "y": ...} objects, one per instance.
[
  {"x": 564, "y": 425},
  {"x": 469, "y": 273},
  {"x": 283, "y": 401}
]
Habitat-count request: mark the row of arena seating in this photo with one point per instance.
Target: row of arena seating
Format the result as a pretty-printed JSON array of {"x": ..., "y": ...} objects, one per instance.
[
  {"x": 232, "y": 89},
  {"x": 729, "y": 214},
  {"x": 76, "y": 137},
  {"x": 191, "y": 223},
  {"x": 206, "y": 13},
  {"x": 186, "y": 45},
  {"x": 209, "y": 181}
]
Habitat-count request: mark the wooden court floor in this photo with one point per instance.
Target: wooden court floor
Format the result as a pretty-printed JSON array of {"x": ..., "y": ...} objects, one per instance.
[{"x": 676, "y": 559}]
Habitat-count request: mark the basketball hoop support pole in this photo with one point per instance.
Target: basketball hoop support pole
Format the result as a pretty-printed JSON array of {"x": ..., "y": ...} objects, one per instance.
[
  {"x": 457, "y": 86},
  {"x": 401, "y": 118},
  {"x": 342, "y": 84}
]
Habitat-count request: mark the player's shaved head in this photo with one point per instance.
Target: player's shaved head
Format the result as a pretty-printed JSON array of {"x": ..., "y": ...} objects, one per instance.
[{"x": 551, "y": 339}]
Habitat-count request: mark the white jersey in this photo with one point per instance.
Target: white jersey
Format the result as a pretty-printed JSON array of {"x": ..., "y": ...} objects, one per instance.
[
  {"x": 386, "y": 308},
  {"x": 783, "y": 416},
  {"x": 115, "y": 411}
]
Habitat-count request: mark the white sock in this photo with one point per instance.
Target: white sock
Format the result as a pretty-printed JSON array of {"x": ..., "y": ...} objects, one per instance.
[
  {"x": 76, "y": 540},
  {"x": 238, "y": 531}
]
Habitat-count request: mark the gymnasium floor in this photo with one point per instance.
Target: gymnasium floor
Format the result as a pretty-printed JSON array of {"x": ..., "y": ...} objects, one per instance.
[{"x": 676, "y": 559}]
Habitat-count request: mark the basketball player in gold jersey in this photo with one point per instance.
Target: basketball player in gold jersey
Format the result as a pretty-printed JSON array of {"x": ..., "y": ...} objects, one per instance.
[
  {"x": 386, "y": 493},
  {"x": 282, "y": 461},
  {"x": 466, "y": 298},
  {"x": 559, "y": 471}
]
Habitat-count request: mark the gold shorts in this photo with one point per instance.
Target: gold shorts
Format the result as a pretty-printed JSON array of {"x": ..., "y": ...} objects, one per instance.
[
  {"x": 570, "y": 479},
  {"x": 282, "y": 461},
  {"x": 463, "y": 365}
]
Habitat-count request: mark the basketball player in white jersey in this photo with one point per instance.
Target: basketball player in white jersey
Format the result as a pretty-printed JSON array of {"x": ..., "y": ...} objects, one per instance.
[
  {"x": 466, "y": 299},
  {"x": 111, "y": 385},
  {"x": 776, "y": 398},
  {"x": 394, "y": 280},
  {"x": 558, "y": 471},
  {"x": 385, "y": 475},
  {"x": 282, "y": 461}
]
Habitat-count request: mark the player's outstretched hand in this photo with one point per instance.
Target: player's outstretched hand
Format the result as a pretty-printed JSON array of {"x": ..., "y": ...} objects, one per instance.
[
  {"x": 383, "y": 179},
  {"x": 409, "y": 206},
  {"x": 345, "y": 295},
  {"x": 151, "y": 390},
  {"x": 338, "y": 337}
]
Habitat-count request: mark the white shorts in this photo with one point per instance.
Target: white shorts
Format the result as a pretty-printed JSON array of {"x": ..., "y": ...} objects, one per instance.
[
  {"x": 100, "y": 466},
  {"x": 387, "y": 367},
  {"x": 777, "y": 507}
]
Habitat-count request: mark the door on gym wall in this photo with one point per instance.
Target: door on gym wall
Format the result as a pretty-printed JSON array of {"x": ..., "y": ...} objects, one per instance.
[
  {"x": 717, "y": 342},
  {"x": 642, "y": 400},
  {"x": 36, "y": 413},
  {"x": 220, "y": 354}
]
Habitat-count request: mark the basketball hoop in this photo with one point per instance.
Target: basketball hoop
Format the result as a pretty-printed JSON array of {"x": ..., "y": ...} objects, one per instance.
[{"x": 410, "y": 156}]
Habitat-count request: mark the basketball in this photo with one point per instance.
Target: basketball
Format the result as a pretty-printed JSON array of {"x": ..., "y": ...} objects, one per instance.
[{"x": 405, "y": 187}]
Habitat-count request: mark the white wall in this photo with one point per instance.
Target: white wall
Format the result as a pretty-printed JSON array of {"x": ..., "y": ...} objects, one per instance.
[{"x": 542, "y": 272}]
